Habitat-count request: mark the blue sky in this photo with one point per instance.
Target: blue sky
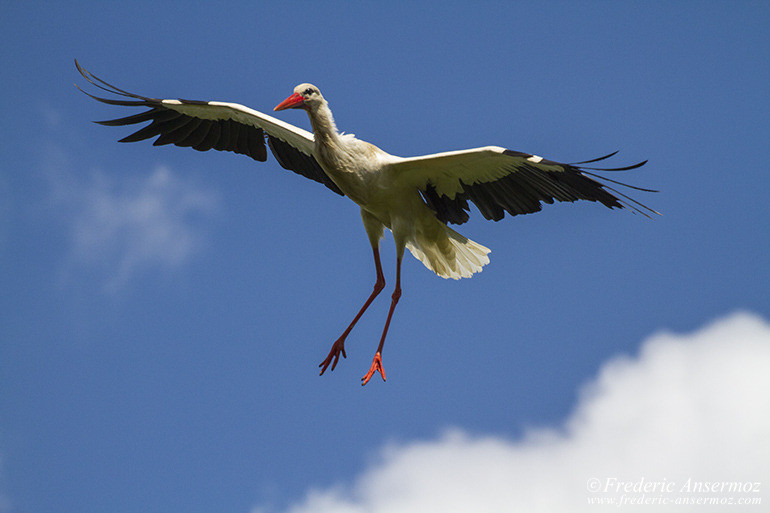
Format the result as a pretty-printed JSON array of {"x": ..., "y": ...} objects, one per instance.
[{"x": 164, "y": 310}]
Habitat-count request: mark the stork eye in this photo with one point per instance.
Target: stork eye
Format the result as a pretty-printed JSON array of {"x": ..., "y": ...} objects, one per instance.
[{"x": 308, "y": 91}]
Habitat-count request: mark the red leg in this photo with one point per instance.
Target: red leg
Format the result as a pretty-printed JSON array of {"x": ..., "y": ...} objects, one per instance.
[
  {"x": 339, "y": 345},
  {"x": 377, "y": 362}
]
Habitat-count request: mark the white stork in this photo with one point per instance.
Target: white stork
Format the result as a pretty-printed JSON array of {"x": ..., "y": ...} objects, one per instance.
[{"x": 413, "y": 197}]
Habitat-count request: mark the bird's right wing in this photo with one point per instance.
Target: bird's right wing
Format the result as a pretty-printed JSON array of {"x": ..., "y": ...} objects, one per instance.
[
  {"x": 497, "y": 181},
  {"x": 207, "y": 125}
]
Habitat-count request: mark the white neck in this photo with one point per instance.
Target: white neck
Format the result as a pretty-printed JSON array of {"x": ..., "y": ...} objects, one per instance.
[{"x": 324, "y": 129}]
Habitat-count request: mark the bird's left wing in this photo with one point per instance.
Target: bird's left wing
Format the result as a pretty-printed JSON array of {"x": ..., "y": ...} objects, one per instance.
[
  {"x": 206, "y": 125},
  {"x": 497, "y": 180}
]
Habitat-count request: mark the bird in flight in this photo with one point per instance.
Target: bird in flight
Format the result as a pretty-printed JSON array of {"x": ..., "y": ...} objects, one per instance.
[{"x": 415, "y": 198}]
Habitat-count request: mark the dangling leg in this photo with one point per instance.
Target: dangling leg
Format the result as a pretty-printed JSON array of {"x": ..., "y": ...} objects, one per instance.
[
  {"x": 377, "y": 362},
  {"x": 374, "y": 231},
  {"x": 339, "y": 346}
]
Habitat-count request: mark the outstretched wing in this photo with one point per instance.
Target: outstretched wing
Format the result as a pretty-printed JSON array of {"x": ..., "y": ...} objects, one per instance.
[
  {"x": 223, "y": 126},
  {"x": 497, "y": 180}
]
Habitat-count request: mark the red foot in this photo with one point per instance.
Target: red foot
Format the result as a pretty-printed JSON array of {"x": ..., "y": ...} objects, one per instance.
[
  {"x": 376, "y": 367},
  {"x": 337, "y": 348}
]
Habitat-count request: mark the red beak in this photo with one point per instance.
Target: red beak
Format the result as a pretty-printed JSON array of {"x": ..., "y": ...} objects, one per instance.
[{"x": 294, "y": 101}]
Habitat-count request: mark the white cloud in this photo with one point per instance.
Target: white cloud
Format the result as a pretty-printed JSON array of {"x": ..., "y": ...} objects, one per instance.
[
  {"x": 692, "y": 406},
  {"x": 121, "y": 227},
  {"x": 51, "y": 116}
]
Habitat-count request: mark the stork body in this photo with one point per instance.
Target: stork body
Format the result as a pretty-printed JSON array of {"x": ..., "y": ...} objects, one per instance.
[
  {"x": 414, "y": 197},
  {"x": 360, "y": 170}
]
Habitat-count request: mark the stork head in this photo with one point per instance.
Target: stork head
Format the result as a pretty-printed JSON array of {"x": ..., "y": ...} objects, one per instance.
[{"x": 306, "y": 96}]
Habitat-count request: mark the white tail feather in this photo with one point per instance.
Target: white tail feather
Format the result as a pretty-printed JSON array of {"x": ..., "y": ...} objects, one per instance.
[{"x": 447, "y": 253}]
